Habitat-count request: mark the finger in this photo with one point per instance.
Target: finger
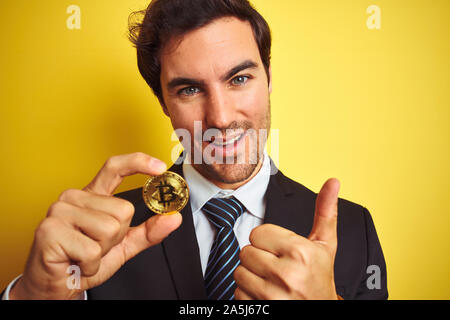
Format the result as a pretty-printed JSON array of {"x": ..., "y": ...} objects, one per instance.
[
  {"x": 250, "y": 283},
  {"x": 276, "y": 240},
  {"x": 97, "y": 225},
  {"x": 137, "y": 239},
  {"x": 240, "y": 294},
  {"x": 149, "y": 233},
  {"x": 67, "y": 244},
  {"x": 260, "y": 262},
  {"x": 325, "y": 217},
  {"x": 120, "y": 209},
  {"x": 116, "y": 168}
]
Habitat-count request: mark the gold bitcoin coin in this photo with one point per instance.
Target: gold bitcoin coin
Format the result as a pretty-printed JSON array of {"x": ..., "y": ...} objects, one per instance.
[{"x": 166, "y": 194}]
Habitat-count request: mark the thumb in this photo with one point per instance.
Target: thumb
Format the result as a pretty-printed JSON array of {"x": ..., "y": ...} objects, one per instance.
[
  {"x": 149, "y": 233},
  {"x": 325, "y": 217}
]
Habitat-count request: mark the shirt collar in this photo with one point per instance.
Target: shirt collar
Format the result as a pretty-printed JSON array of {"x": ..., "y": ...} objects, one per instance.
[{"x": 250, "y": 194}]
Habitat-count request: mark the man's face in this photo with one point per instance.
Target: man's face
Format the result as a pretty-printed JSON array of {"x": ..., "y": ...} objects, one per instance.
[{"x": 215, "y": 75}]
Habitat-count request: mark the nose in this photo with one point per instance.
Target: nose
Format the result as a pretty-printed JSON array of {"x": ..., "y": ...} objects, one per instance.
[{"x": 220, "y": 109}]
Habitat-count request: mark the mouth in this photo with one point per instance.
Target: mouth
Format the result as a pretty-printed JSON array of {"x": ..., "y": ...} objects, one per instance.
[
  {"x": 225, "y": 142},
  {"x": 227, "y": 147}
]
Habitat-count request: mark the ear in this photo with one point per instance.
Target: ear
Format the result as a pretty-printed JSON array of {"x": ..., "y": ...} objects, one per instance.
[{"x": 270, "y": 79}]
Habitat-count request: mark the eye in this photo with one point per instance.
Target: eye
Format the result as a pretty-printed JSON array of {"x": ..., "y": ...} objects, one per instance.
[
  {"x": 188, "y": 91},
  {"x": 240, "y": 80}
]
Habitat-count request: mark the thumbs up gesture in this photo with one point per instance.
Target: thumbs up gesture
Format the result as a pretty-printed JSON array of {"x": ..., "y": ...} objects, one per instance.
[{"x": 280, "y": 264}]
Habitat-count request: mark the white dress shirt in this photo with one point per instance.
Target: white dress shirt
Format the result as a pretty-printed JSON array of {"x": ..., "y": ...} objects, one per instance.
[{"x": 251, "y": 195}]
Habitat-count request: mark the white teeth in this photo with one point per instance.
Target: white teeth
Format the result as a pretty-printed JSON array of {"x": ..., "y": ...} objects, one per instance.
[{"x": 217, "y": 143}]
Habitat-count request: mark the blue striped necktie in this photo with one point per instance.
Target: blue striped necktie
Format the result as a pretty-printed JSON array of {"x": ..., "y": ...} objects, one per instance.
[{"x": 224, "y": 256}]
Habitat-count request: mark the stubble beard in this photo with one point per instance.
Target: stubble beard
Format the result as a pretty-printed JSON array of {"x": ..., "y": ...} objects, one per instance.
[{"x": 235, "y": 172}]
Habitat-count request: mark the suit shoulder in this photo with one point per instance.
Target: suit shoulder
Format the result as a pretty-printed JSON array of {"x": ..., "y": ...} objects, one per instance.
[
  {"x": 290, "y": 186},
  {"x": 346, "y": 208}
]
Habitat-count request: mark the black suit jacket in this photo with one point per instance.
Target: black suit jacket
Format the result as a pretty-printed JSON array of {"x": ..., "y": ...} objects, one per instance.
[{"x": 172, "y": 270}]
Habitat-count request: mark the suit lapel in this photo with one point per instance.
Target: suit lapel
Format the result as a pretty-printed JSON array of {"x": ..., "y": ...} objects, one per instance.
[
  {"x": 183, "y": 257},
  {"x": 287, "y": 207}
]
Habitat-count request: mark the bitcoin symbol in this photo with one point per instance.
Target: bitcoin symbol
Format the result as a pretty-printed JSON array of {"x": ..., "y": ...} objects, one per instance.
[{"x": 166, "y": 194}]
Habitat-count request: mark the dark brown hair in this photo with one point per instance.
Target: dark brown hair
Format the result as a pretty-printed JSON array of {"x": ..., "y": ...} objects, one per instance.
[{"x": 150, "y": 29}]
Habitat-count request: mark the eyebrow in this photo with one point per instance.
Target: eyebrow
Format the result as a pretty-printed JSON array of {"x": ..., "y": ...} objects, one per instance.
[{"x": 180, "y": 81}]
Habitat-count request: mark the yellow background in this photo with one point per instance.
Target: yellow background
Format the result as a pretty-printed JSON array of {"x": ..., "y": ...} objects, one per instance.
[{"x": 370, "y": 107}]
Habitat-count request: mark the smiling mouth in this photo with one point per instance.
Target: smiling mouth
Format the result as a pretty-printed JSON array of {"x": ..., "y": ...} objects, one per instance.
[{"x": 223, "y": 143}]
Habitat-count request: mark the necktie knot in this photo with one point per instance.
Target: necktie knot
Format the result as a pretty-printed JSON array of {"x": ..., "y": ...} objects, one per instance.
[{"x": 223, "y": 212}]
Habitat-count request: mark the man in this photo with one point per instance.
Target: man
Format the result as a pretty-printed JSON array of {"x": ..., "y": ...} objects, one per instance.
[{"x": 245, "y": 234}]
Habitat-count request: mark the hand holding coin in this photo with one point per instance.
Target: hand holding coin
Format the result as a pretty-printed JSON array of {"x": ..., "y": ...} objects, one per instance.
[{"x": 91, "y": 228}]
